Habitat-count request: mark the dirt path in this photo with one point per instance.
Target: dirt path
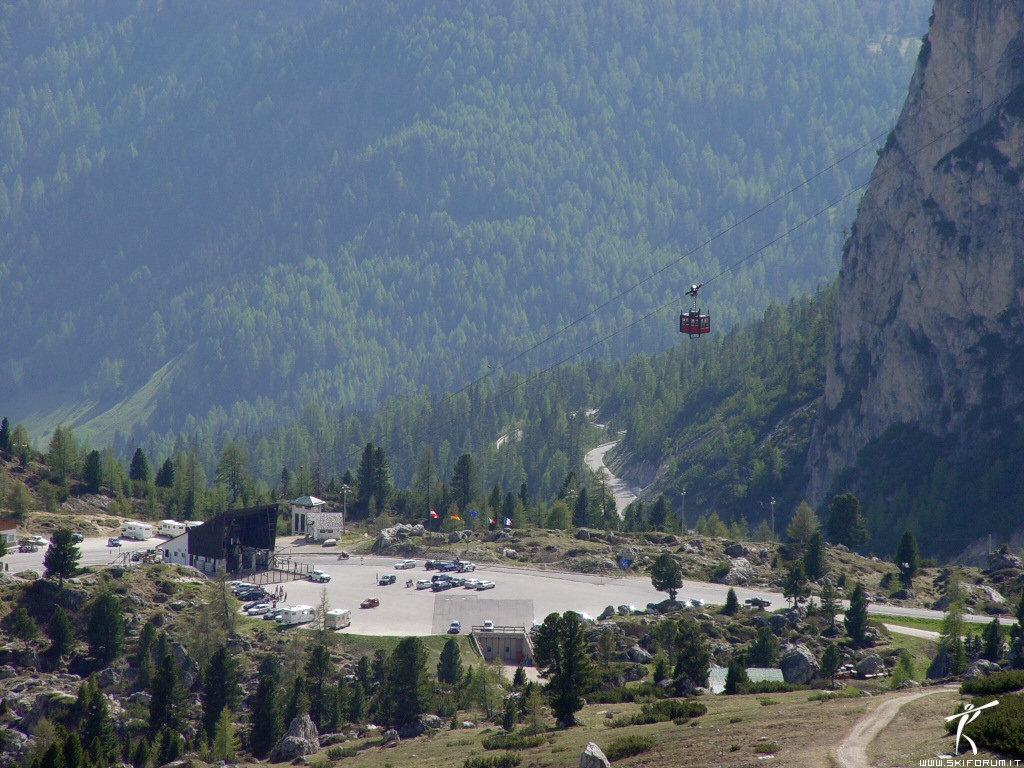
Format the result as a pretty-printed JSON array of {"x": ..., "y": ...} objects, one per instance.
[
  {"x": 624, "y": 495},
  {"x": 853, "y": 751}
]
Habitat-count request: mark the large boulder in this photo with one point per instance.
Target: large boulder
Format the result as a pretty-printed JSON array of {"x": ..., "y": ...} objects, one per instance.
[
  {"x": 423, "y": 723},
  {"x": 735, "y": 550},
  {"x": 980, "y": 668},
  {"x": 302, "y": 739},
  {"x": 740, "y": 572},
  {"x": 593, "y": 757},
  {"x": 638, "y": 655},
  {"x": 1003, "y": 559},
  {"x": 870, "y": 666},
  {"x": 798, "y": 664},
  {"x": 390, "y": 737}
]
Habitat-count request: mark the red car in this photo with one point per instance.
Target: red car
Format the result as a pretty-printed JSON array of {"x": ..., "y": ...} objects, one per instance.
[{"x": 370, "y": 602}]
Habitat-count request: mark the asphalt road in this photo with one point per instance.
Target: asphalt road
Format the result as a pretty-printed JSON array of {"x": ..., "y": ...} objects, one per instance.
[{"x": 407, "y": 611}]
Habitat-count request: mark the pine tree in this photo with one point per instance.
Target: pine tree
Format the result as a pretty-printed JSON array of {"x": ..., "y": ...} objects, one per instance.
[
  {"x": 732, "y": 603},
  {"x": 138, "y": 471},
  {"x": 165, "y": 708},
  {"x": 993, "y": 641},
  {"x": 61, "y": 633},
  {"x": 222, "y": 745},
  {"x": 693, "y": 658},
  {"x": 406, "y": 691},
  {"x": 449, "y": 667},
  {"x": 735, "y": 677},
  {"x": 221, "y": 690},
  {"x": 907, "y": 559},
  {"x": 266, "y": 719},
  {"x": 318, "y": 673},
  {"x": 92, "y": 472},
  {"x": 561, "y": 654},
  {"x": 73, "y": 752},
  {"x": 829, "y": 605},
  {"x": 856, "y": 621},
  {"x": 803, "y": 525},
  {"x": 814, "y": 557},
  {"x": 830, "y": 661},
  {"x": 846, "y": 525},
  {"x": 165, "y": 475},
  {"x": 666, "y": 575},
  {"x": 105, "y": 631},
  {"x": 62, "y": 556},
  {"x": 5, "y": 434},
  {"x": 794, "y": 586},
  {"x": 62, "y": 454},
  {"x": 97, "y": 728},
  {"x": 21, "y": 625},
  {"x": 142, "y": 754},
  {"x": 764, "y": 649}
]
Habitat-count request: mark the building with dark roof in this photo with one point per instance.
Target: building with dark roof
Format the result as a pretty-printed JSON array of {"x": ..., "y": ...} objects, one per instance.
[{"x": 237, "y": 541}]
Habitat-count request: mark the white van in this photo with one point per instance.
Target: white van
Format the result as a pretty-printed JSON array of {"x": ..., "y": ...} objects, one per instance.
[
  {"x": 339, "y": 618},
  {"x": 170, "y": 528},
  {"x": 136, "y": 530},
  {"x": 318, "y": 575},
  {"x": 296, "y": 614}
]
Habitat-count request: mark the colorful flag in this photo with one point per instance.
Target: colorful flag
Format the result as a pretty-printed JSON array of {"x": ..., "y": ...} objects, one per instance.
[
  {"x": 455, "y": 517},
  {"x": 491, "y": 520},
  {"x": 508, "y": 522},
  {"x": 434, "y": 514},
  {"x": 472, "y": 513}
]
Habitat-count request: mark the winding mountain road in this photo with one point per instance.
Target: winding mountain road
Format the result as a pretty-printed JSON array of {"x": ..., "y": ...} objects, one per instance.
[{"x": 594, "y": 459}]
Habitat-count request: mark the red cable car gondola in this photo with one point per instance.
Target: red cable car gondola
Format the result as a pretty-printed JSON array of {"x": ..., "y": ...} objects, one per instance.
[{"x": 693, "y": 323}]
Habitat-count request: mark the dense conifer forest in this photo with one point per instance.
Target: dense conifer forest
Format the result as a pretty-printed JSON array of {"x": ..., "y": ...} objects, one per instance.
[{"x": 220, "y": 220}]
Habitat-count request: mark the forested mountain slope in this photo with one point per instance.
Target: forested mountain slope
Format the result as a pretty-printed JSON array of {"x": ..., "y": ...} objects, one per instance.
[{"x": 215, "y": 215}]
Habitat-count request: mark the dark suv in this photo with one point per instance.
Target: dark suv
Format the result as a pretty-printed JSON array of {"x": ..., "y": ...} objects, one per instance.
[{"x": 387, "y": 579}]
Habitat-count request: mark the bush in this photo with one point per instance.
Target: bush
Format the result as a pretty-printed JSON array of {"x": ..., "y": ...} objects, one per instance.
[
  {"x": 512, "y": 741},
  {"x": 639, "y": 693},
  {"x": 506, "y": 760},
  {"x": 628, "y": 746},
  {"x": 660, "y": 712},
  {"x": 771, "y": 686},
  {"x": 997, "y": 682},
  {"x": 1000, "y": 729},
  {"x": 766, "y": 748},
  {"x": 336, "y": 753},
  {"x": 849, "y": 692}
]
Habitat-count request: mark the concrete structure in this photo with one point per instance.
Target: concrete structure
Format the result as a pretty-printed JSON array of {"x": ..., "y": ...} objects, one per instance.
[{"x": 510, "y": 644}]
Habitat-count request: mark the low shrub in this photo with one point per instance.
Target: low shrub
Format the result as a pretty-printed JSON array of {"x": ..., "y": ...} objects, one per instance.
[
  {"x": 767, "y": 701},
  {"x": 626, "y": 695},
  {"x": 771, "y": 686},
  {"x": 997, "y": 682},
  {"x": 512, "y": 741},
  {"x": 628, "y": 746},
  {"x": 504, "y": 760},
  {"x": 1001, "y": 728},
  {"x": 660, "y": 712},
  {"x": 849, "y": 692},
  {"x": 766, "y": 748},
  {"x": 336, "y": 753}
]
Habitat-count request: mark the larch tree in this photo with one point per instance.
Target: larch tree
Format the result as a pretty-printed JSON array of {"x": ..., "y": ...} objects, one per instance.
[{"x": 561, "y": 655}]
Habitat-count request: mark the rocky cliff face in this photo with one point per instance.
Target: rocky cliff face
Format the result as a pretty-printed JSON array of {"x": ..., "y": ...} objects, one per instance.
[{"x": 929, "y": 319}]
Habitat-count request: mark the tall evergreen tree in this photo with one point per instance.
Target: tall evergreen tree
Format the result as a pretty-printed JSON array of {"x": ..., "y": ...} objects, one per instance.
[
  {"x": 61, "y": 633},
  {"x": 62, "y": 454},
  {"x": 666, "y": 576},
  {"x": 5, "y": 434},
  {"x": 764, "y": 649},
  {"x": 105, "y": 631},
  {"x": 693, "y": 657},
  {"x": 830, "y": 661},
  {"x": 993, "y": 640},
  {"x": 407, "y": 691},
  {"x": 856, "y": 621},
  {"x": 732, "y": 603},
  {"x": 449, "y": 667},
  {"x": 97, "y": 727},
  {"x": 908, "y": 559},
  {"x": 139, "y": 468},
  {"x": 265, "y": 718},
  {"x": 561, "y": 654},
  {"x": 233, "y": 473},
  {"x": 814, "y": 557},
  {"x": 794, "y": 586},
  {"x": 318, "y": 675},
  {"x": 220, "y": 689},
  {"x": 92, "y": 471},
  {"x": 168, "y": 697},
  {"x": 846, "y": 524},
  {"x": 62, "y": 556},
  {"x": 463, "y": 485},
  {"x": 735, "y": 677},
  {"x": 165, "y": 475}
]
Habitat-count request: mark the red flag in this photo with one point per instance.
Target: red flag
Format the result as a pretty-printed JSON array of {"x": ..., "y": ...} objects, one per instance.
[
  {"x": 455, "y": 517},
  {"x": 434, "y": 514}
]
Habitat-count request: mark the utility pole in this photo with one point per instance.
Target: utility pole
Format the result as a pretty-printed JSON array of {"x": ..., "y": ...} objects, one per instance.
[
  {"x": 773, "y": 517},
  {"x": 344, "y": 506},
  {"x": 682, "y": 515}
]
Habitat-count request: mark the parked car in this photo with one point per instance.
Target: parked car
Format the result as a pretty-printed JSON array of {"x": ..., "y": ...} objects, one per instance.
[
  {"x": 330, "y": 543},
  {"x": 432, "y": 565},
  {"x": 466, "y": 567},
  {"x": 387, "y": 578},
  {"x": 403, "y": 565},
  {"x": 424, "y": 584},
  {"x": 319, "y": 576},
  {"x": 447, "y": 567},
  {"x": 439, "y": 577},
  {"x": 370, "y": 602},
  {"x": 441, "y": 586},
  {"x": 757, "y": 602},
  {"x": 455, "y": 627},
  {"x": 259, "y": 609},
  {"x": 112, "y": 542},
  {"x": 39, "y": 541},
  {"x": 485, "y": 585},
  {"x": 456, "y": 581},
  {"x": 488, "y": 626},
  {"x": 77, "y": 538},
  {"x": 272, "y": 614},
  {"x": 697, "y": 602},
  {"x": 252, "y": 595},
  {"x": 471, "y": 583}
]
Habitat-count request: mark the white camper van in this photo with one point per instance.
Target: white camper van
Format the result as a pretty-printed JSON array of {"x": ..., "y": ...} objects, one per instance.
[
  {"x": 170, "y": 528},
  {"x": 339, "y": 618},
  {"x": 136, "y": 530},
  {"x": 296, "y": 614}
]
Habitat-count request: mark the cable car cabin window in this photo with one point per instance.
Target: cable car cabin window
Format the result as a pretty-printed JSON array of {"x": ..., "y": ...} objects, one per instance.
[{"x": 694, "y": 323}]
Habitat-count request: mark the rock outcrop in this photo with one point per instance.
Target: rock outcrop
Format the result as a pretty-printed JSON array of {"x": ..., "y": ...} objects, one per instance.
[
  {"x": 593, "y": 757},
  {"x": 929, "y": 326},
  {"x": 302, "y": 739}
]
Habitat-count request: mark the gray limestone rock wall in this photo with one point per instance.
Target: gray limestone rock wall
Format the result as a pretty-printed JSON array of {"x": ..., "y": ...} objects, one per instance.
[{"x": 928, "y": 328}]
